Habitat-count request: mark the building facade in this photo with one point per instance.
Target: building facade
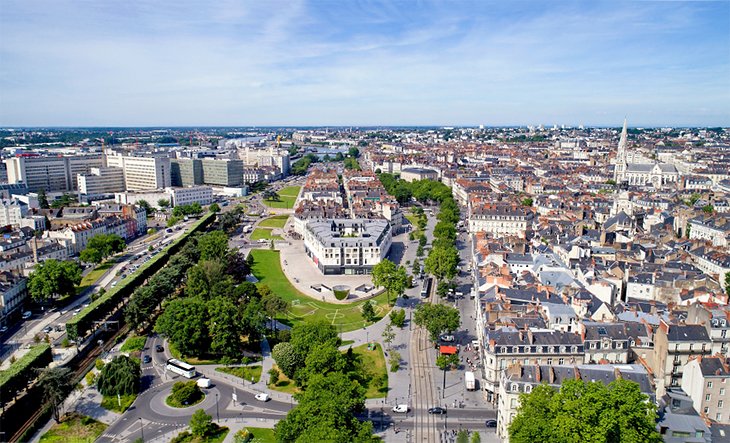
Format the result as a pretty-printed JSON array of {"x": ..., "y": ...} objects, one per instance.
[{"x": 52, "y": 174}]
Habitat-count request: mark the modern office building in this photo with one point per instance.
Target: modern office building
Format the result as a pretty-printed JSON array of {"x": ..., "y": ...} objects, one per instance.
[
  {"x": 52, "y": 174},
  {"x": 187, "y": 196},
  {"x": 186, "y": 171},
  {"x": 347, "y": 246},
  {"x": 101, "y": 181},
  {"x": 142, "y": 173},
  {"x": 222, "y": 172}
]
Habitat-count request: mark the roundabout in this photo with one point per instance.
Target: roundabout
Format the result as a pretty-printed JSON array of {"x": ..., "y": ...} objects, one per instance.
[{"x": 158, "y": 403}]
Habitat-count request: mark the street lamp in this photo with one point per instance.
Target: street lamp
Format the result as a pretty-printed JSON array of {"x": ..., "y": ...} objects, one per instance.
[
  {"x": 217, "y": 414},
  {"x": 141, "y": 427}
]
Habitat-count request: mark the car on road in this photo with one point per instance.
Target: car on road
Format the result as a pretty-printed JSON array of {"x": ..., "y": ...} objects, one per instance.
[
  {"x": 146, "y": 359},
  {"x": 27, "y": 315},
  {"x": 77, "y": 310},
  {"x": 400, "y": 408},
  {"x": 446, "y": 337},
  {"x": 437, "y": 410},
  {"x": 47, "y": 330},
  {"x": 159, "y": 348},
  {"x": 3, "y": 329},
  {"x": 491, "y": 423},
  {"x": 262, "y": 397}
]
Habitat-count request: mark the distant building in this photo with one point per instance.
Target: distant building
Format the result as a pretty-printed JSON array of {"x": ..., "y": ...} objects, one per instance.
[
  {"x": 222, "y": 172},
  {"x": 500, "y": 220},
  {"x": 52, "y": 174},
  {"x": 142, "y": 173},
  {"x": 411, "y": 174},
  {"x": 187, "y": 196},
  {"x": 347, "y": 246},
  {"x": 705, "y": 380},
  {"x": 13, "y": 293},
  {"x": 186, "y": 171},
  {"x": 656, "y": 174},
  {"x": 100, "y": 182}
]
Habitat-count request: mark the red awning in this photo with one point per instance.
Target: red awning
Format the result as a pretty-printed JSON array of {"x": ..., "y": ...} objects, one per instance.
[{"x": 448, "y": 350}]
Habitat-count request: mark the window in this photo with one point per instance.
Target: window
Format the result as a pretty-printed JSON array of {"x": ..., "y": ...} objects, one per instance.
[
  {"x": 707, "y": 397},
  {"x": 561, "y": 361},
  {"x": 699, "y": 434},
  {"x": 722, "y": 391},
  {"x": 528, "y": 388},
  {"x": 709, "y": 384},
  {"x": 706, "y": 409},
  {"x": 718, "y": 417},
  {"x": 719, "y": 404},
  {"x": 513, "y": 403},
  {"x": 549, "y": 361},
  {"x": 514, "y": 387}
]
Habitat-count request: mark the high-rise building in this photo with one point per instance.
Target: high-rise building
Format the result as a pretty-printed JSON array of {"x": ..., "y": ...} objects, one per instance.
[
  {"x": 101, "y": 181},
  {"x": 186, "y": 172},
  {"x": 222, "y": 172},
  {"x": 52, "y": 174},
  {"x": 142, "y": 173}
]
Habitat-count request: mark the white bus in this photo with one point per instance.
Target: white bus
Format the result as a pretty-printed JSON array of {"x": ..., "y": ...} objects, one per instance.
[{"x": 182, "y": 368}]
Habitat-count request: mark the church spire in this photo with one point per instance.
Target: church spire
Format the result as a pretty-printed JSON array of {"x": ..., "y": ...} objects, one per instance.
[{"x": 620, "y": 168}]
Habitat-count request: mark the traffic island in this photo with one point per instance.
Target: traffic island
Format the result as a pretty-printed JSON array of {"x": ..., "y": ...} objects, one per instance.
[{"x": 184, "y": 395}]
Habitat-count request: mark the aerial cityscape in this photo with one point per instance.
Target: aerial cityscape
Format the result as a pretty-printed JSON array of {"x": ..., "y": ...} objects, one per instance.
[{"x": 315, "y": 221}]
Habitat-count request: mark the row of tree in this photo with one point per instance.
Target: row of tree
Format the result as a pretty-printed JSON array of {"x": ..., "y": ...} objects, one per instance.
[{"x": 333, "y": 387}]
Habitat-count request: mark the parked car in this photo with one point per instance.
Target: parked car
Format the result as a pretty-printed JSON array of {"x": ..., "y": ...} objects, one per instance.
[
  {"x": 491, "y": 423},
  {"x": 262, "y": 397},
  {"x": 146, "y": 359},
  {"x": 159, "y": 348},
  {"x": 437, "y": 410},
  {"x": 3, "y": 329},
  {"x": 446, "y": 337},
  {"x": 400, "y": 408},
  {"x": 47, "y": 330},
  {"x": 27, "y": 315}
]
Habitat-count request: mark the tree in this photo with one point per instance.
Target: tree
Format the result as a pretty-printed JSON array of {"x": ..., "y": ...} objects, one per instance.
[
  {"x": 146, "y": 206},
  {"x": 286, "y": 358},
  {"x": 273, "y": 305},
  {"x": 185, "y": 322},
  {"x": 437, "y": 318},
  {"x": 393, "y": 279},
  {"x": 394, "y": 361},
  {"x": 527, "y": 202},
  {"x": 476, "y": 438},
  {"x": 445, "y": 362},
  {"x": 213, "y": 245},
  {"x": 163, "y": 203},
  {"x": 442, "y": 262},
  {"x": 215, "y": 207},
  {"x": 225, "y": 327},
  {"x": 307, "y": 336},
  {"x": 228, "y": 222},
  {"x": 43, "y": 200},
  {"x": 56, "y": 384},
  {"x": 368, "y": 313},
  {"x": 326, "y": 412},
  {"x": 201, "y": 423},
  {"x": 353, "y": 152},
  {"x": 102, "y": 246},
  {"x": 91, "y": 255},
  {"x": 398, "y": 317},
  {"x": 53, "y": 278},
  {"x": 388, "y": 335},
  {"x": 462, "y": 436},
  {"x": 581, "y": 411},
  {"x": 727, "y": 283},
  {"x": 321, "y": 360},
  {"x": 119, "y": 377}
]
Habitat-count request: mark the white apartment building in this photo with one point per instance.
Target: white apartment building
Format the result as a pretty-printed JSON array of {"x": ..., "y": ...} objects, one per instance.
[
  {"x": 712, "y": 229},
  {"x": 186, "y": 196},
  {"x": 101, "y": 181},
  {"x": 347, "y": 246},
  {"x": 706, "y": 381},
  {"x": 52, "y": 174},
  {"x": 12, "y": 212},
  {"x": 12, "y": 294},
  {"x": 500, "y": 220},
  {"x": 712, "y": 263},
  {"x": 142, "y": 173}
]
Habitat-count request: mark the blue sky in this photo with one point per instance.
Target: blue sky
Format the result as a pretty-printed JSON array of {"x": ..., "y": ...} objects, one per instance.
[{"x": 340, "y": 62}]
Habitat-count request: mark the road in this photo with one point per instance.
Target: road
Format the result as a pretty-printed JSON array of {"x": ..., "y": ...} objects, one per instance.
[{"x": 23, "y": 334}]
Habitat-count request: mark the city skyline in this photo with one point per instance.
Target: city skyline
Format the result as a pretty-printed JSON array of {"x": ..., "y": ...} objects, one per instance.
[{"x": 321, "y": 63}]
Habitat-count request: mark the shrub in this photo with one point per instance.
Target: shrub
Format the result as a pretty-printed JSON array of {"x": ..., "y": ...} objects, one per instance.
[
  {"x": 99, "y": 364},
  {"x": 243, "y": 436},
  {"x": 274, "y": 376},
  {"x": 186, "y": 393},
  {"x": 120, "y": 376}
]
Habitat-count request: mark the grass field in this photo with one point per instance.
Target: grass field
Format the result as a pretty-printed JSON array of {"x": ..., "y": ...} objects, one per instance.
[
  {"x": 277, "y": 221},
  {"x": 264, "y": 234},
  {"x": 413, "y": 218},
  {"x": 244, "y": 372},
  {"x": 216, "y": 436},
  {"x": 91, "y": 278},
  {"x": 133, "y": 343},
  {"x": 288, "y": 196},
  {"x": 285, "y": 384},
  {"x": 74, "y": 429},
  {"x": 373, "y": 363},
  {"x": 346, "y": 317},
  {"x": 111, "y": 403},
  {"x": 262, "y": 435}
]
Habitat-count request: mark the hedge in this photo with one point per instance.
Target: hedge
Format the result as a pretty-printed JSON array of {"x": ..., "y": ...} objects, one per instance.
[
  {"x": 17, "y": 376},
  {"x": 102, "y": 306}
]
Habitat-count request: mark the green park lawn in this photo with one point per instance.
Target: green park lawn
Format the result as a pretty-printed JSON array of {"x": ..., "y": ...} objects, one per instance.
[
  {"x": 264, "y": 234},
  {"x": 111, "y": 402},
  {"x": 287, "y": 196},
  {"x": 374, "y": 364},
  {"x": 133, "y": 343},
  {"x": 285, "y": 384},
  {"x": 413, "y": 219},
  {"x": 277, "y": 221},
  {"x": 345, "y": 317},
  {"x": 75, "y": 428},
  {"x": 216, "y": 436},
  {"x": 244, "y": 372},
  {"x": 262, "y": 435},
  {"x": 92, "y": 277}
]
